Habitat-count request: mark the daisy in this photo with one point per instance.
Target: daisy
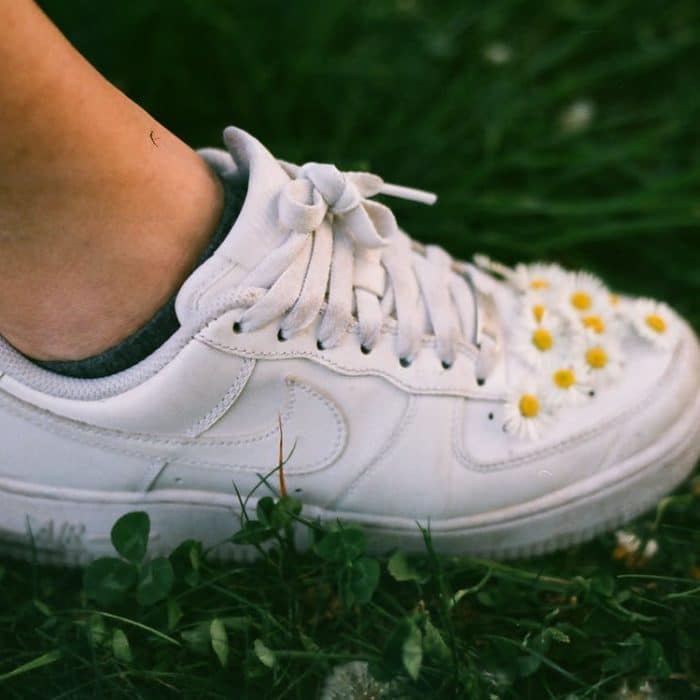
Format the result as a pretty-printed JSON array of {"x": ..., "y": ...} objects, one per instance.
[
  {"x": 542, "y": 335},
  {"x": 527, "y": 410},
  {"x": 602, "y": 322},
  {"x": 584, "y": 294},
  {"x": 535, "y": 306},
  {"x": 568, "y": 383},
  {"x": 597, "y": 323},
  {"x": 654, "y": 322},
  {"x": 545, "y": 278},
  {"x": 603, "y": 358}
]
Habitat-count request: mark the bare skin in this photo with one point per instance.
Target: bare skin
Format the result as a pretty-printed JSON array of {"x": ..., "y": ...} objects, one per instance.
[{"x": 103, "y": 212}]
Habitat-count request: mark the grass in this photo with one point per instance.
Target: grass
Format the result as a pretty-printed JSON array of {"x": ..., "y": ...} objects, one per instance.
[{"x": 558, "y": 129}]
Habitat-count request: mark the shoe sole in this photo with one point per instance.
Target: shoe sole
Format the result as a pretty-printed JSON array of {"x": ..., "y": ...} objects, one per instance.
[{"x": 71, "y": 527}]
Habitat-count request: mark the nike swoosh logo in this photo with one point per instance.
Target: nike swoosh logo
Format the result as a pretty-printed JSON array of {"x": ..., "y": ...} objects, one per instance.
[
  {"x": 311, "y": 422},
  {"x": 31, "y": 435}
]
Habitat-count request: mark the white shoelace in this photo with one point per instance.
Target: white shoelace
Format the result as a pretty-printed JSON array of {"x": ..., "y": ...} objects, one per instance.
[{"x": 345, "y": 258}]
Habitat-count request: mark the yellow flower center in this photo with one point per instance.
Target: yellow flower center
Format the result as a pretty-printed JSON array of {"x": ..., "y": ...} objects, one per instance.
[
  {"x": 529, "y": 406},
  {"x": 564, "y": 378},
  {"x": 596, "y": 357},
  {"x": 539, "y": 283},
  {"x": 538, "y": 312},
  {"x": 542, "y": 339},
  {"x": 656, "y": 323},
  {"x": 581, "y": 301},
  {"x": 595, "y": 323}
]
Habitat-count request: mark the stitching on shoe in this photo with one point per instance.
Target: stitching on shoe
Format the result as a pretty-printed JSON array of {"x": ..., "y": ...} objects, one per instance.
[
  {"x": 97, "y": 437},
  {"x": 323, "y": 359},
  {"x": 294, "y": 386},
  {"x": 226, "y": 401}
]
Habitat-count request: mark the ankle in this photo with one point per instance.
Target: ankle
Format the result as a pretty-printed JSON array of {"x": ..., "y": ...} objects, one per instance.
[{"x": 116, "y": 269}]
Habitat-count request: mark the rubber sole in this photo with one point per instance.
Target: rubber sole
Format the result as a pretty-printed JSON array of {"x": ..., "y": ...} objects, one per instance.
[{"x": 69, "y": 527}]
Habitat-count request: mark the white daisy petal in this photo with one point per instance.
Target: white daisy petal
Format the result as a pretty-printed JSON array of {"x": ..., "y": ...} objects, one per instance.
[
  {"x": 537, "y": 277},
  {"x": 541, "y": 339},
  {"x": 535, "y": 305},
  {"x": 568, "y": 383},
  {"x": 616, "y": 304},
  {"x": 603, "y": 357},
  {"x": 654, "y": 321},
  {"x": 583, "y": 293},
  {"x": 527, "y": 410}
]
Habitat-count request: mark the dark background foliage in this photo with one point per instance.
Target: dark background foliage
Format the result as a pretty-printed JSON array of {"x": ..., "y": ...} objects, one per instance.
[{"x": 558, "y": 129}]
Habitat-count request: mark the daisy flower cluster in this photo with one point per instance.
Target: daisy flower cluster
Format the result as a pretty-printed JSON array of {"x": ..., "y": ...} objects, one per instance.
[{"x": 570, "y": 338}]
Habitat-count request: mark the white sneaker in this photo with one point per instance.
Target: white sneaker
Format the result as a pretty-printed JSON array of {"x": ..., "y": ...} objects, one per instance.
[{"x": 512, "y": 410}]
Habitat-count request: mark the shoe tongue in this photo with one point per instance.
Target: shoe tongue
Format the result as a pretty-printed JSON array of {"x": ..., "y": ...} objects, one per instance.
[{"x": 256, "y": 231}]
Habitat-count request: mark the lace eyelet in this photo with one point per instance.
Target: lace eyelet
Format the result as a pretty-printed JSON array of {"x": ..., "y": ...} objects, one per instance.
[
  {"x": 446, "y": 365},
  {"x": 365, "y": 350},
  {"x": 319, "y": 345},
  {"x": 404, "y": 362},
  {"x": 237, "y": 328},
  {"x": 490, "y": 416},
  {"x": 480, "y": 381},
  {"x": 280, "y": 336}
]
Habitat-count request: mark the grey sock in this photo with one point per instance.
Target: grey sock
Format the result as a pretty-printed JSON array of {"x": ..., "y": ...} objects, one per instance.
[{"x": 150, "y": 337}]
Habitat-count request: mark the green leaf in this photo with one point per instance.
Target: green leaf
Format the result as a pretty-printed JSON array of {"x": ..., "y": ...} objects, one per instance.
[
  {"x": 43, "y": 608},
  {"x": 219, "y": 640},
  {"x": 412, "y": 651},
  {"x": 120, "y": 646},
  {"x": 49, "y": 657},
  {"x": 198, "y": 638},
  {"x": 433, "y": 642},
  {"x": 277, "y": 514},
  {"x": 341, "y": 545},
  {"x": 96, "y": 630},
  {"x": 130, "y": 536},
  {"x": 603, "y": 585},
  {"x": 308, "y": 643},
  {"x": 108, "y": 580},
  {"x": 156, "y": 580},
  {"x": 527, "y": 665},
  {"x": 403, "y": 651},
  {"x": 264, "y": 510},
  {"x": 657, "y": 665},
  {"x": 237, "y": 623},
  {"x": 265, "y": 656},
  {"x": 253, "y": 532},
  {"x": 174, "y": 614},
  {"x": 186, "y": 559},
  {"x": 631, "y": 657},
  {"x": 401, "y": 569},
  {"x": 558, "y": 636},
  {"x": 363, "y": 579},
  {"x": 285, "y": 512}
]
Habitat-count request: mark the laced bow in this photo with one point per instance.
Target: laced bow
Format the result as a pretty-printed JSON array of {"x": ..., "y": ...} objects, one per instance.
[{"x": 345, "y": 257}]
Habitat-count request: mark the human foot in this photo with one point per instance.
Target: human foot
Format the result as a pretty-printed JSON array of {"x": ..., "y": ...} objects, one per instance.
[{"x": 512, "y": 410}]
